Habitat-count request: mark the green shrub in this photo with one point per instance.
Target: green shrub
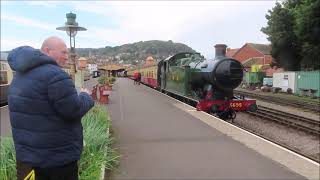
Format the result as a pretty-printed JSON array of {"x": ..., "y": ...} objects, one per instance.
[
  {"x": 103, "y": 80},
  {"x": 97, "y": 148},
  {"x": 106, "y": 80},
  {"x": 112, "y": 80},
  {"x": 7, "y": 159}
]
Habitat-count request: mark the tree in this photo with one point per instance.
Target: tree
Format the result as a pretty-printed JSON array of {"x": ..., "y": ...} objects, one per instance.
[
  {"x": 294, "y": 32},
  {"x": 307, "y": 29},
  {"x": 284, "y": 42}
]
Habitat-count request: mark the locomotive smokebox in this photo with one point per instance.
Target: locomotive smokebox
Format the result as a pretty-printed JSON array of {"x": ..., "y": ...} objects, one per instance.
[
  {"x": 224, "y": 73},
  {"x": 220, "y": 50}
]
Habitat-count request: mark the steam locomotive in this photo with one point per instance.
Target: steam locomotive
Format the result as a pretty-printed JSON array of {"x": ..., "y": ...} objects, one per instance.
[{"x": 209, "y": 83}]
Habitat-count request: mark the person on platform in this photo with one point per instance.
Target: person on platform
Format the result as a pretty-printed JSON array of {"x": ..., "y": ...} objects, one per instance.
[
  {"x": 45, "y": 112},
  {"x": 139, "y": 78},
  {"x": 135, "y": 78}
]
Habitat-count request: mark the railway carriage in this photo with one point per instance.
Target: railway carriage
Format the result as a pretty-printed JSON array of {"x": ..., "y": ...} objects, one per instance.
[{"x": 148, "y": 76}]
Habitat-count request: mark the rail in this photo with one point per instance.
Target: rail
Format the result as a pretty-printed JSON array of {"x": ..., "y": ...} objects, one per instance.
[{"x": 299, "y": 122}]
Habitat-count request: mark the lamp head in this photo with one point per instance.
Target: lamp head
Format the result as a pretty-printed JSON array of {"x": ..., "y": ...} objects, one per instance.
[{"x": 71, "y": 26}]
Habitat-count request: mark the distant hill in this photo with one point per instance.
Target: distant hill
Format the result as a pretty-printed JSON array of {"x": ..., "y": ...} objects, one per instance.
[{"x": 136, "y": 52}]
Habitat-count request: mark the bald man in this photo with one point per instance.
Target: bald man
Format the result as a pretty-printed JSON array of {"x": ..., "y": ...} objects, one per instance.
[
  {"x": 45, "y": 112},
  {"x": 55, "y": 48}
]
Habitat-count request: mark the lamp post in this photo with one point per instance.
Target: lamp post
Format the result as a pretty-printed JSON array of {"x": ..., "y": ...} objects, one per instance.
[{"x": 71, "y": 27}]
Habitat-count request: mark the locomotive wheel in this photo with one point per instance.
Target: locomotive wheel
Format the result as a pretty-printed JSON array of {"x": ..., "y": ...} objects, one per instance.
[
  {"x": 232, "y": 115},
  {"x": 227, "y": 115},
  {"x": 223, "y": 115}
]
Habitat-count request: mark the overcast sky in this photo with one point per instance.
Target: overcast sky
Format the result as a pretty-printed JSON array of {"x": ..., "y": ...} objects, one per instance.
[{"x": 198, "y": 24}]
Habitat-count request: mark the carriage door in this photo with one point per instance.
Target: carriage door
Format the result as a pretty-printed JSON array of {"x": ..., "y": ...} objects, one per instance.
[{"x": 163, "y": 75}]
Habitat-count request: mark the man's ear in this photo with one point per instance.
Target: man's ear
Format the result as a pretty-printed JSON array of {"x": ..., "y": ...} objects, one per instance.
[{"x": 45, "y": 50}]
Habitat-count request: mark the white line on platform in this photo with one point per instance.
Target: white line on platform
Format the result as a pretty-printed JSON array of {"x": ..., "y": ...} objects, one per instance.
[{"x": 191, "y": 110}]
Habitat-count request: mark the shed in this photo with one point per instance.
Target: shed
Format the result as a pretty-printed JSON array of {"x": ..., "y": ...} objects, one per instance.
[
  {"x": 112, "y": 69},
  {"x": 308, "y": 83},
  {"x": 285, "y": 80}
]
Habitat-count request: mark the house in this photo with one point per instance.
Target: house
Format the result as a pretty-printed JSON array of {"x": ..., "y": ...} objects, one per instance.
[
  {"x": 230, "y": 52},
  {"x": 150, "y": 61},
  {"x": 82, "y": 62},
  {"x": 92, "y": 67},
  {"x": 260, "y": 52}
]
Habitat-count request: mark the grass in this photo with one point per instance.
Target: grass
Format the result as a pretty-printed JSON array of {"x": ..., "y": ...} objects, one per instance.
[
  {"x": 97, "y": 148},
  {"x": 97, "y": 151},
  {"x": 7, "y": 159}
]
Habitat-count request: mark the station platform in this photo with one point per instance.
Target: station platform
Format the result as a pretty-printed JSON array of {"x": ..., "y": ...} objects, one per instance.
[
  {"x": 161, "y": 138},
  {"x": 5, "y": 127}
]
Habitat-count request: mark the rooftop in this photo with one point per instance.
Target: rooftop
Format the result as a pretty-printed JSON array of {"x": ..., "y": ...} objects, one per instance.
[
  {"x": 263, "y": 48},
  {"x": 231, "y": 52}
]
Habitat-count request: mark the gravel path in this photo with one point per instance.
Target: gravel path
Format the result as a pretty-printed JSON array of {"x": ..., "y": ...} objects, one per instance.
[{"x": 299, "y": 140}]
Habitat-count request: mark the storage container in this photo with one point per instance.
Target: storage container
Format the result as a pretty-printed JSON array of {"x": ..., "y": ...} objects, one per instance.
[
  {"x": 267, "y": 81},
  {"x": 254, "y": 77},
  {"x": 308, "y": 83},
  {"x": 285, "y": 80}
]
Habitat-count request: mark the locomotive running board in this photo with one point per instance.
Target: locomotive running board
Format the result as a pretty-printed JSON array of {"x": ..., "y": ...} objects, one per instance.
[{"x": 180, "y": 95}]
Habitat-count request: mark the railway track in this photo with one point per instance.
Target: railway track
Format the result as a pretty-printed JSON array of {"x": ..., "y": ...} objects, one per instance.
[
  {"x": 302, "y": 123},
  {"x": 298, "y": 122},
  {"x": 315, "y": 107}
]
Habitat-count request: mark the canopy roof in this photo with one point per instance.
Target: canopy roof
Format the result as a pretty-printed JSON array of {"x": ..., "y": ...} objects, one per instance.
[{"x": 112, "y": 67}]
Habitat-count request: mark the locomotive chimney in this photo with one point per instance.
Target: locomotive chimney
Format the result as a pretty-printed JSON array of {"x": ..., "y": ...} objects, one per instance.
[{"x": 220, "y": 50}]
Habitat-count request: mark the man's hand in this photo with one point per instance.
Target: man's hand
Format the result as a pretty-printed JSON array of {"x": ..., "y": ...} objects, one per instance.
[{"x": 85, "y": 90}]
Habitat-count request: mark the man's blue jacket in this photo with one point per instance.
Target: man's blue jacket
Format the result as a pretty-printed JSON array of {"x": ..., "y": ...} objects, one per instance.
[{"x": 45, "y": 110}]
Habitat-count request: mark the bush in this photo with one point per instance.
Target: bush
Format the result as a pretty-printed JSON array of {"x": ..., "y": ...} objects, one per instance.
[
  {"x": 97, "y": 151},
  {"x": 7, "y": 159},
  {"x": 289, "y": 91},
  {"x": 103, "y": 80},
  {"x": 112, "y": 80}
]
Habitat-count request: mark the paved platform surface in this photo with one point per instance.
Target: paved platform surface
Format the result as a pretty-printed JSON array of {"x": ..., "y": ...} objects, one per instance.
[
  {"x": 5, "y": 127},
  {"x": 159, "y": 140}
]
